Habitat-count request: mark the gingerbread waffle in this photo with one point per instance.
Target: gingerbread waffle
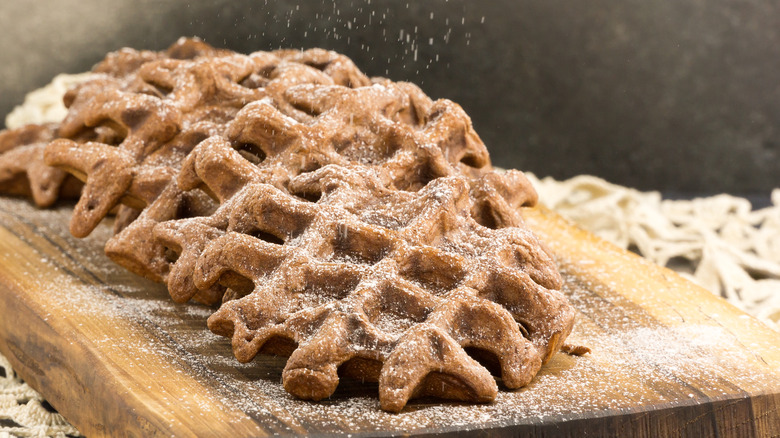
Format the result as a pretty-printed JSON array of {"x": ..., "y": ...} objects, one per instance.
[
  {"x": 352, "y": 224},
  {"x": 23, "y": 171},
  {"x": 378, "y": 284}
]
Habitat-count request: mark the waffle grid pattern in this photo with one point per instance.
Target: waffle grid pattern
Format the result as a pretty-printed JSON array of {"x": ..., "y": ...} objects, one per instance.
[{"x": 352, "y": 224}]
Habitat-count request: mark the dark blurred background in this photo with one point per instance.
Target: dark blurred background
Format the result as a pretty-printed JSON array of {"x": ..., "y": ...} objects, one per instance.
[{"x": 681, "y": 96}]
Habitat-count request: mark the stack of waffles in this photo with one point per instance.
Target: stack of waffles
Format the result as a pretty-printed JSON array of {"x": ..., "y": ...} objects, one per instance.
[{"x": 350, "y": 223}]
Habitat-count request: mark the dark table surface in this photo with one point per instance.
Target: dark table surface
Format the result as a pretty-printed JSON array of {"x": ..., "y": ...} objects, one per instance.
[{"x": 679, "y": 96}]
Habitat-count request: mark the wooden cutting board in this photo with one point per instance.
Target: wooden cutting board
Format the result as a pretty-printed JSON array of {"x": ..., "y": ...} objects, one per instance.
[{"x": 116, "y": 357}]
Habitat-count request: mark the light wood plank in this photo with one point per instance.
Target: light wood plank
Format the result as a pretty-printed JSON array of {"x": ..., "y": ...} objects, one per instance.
[{"x": 112, "y": 353}]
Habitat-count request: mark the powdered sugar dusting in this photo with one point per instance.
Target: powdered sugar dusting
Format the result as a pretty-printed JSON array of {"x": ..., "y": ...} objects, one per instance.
[{"x": 635, "y": 362}]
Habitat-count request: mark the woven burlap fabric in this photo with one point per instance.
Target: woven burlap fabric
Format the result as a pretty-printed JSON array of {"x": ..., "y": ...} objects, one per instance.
[
  {"x": 23, "y": 412},
  {"x": 719, "y": 242}
]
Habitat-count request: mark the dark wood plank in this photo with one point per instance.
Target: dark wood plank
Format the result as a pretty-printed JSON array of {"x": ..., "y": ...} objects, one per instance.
[{"x": 112, "y": 353}]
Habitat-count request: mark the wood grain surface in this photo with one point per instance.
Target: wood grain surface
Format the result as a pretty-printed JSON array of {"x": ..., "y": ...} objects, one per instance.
[{"x": 117, "y": 357}]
